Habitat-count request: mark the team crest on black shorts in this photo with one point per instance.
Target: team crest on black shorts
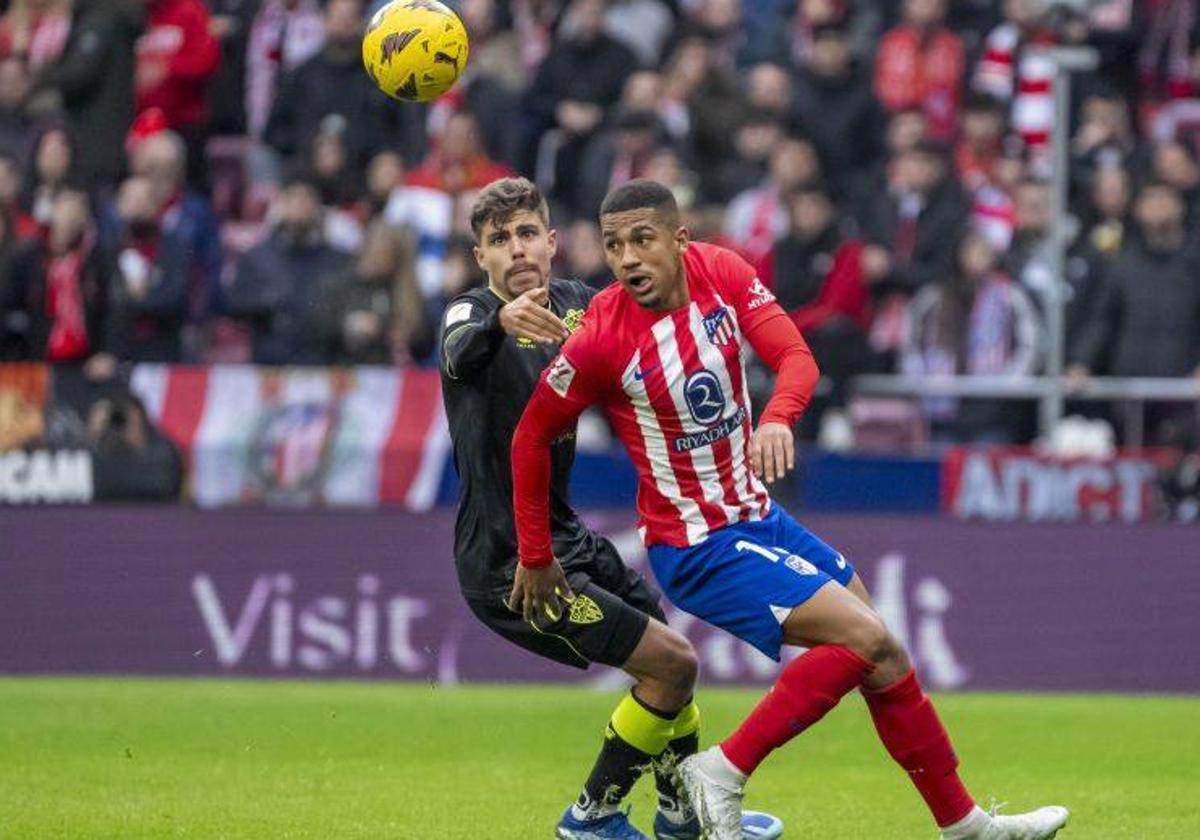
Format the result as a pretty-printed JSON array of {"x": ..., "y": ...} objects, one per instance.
[{"x": 585, "y": 611}]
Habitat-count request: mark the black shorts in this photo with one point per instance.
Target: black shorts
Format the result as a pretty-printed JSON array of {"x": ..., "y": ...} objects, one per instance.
[{"x": 613, "y": 604}]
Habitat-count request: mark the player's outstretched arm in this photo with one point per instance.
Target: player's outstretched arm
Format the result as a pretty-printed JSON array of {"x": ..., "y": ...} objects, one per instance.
[
  {"x": 527, "y": 316},
  {"x": 779, "y": 344},
  {"x": 539, "y": 583},
  {"x": 546, "y": 417},
  {"x": 471, "y": 335}
]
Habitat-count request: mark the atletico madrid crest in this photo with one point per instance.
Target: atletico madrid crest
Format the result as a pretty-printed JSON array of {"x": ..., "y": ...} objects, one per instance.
[{"x": 718, "y": 327}]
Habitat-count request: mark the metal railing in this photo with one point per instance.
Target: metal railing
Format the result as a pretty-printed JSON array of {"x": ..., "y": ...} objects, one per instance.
[
  {"x": 1133, "y": 393},
  {"x": 1052, "y": 390}
]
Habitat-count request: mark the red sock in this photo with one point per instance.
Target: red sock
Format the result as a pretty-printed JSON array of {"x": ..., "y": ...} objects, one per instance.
[
  {"x": 910, "y": 729},
  {"x": 807, "y": 688}
]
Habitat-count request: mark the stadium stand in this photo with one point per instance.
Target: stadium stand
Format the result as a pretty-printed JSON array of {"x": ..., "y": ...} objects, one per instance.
[{"x": 885, "y": 166}]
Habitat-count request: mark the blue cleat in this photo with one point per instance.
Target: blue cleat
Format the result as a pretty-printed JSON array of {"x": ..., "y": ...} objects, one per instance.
[
  {"x": 755, "y": 826},
  {"x": 613, "y": 827},
  {"x": 759, "y": 826},
  {"x": 665, "y": 829}
]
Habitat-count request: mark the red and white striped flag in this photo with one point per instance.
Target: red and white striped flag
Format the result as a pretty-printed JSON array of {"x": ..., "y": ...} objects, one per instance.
[{"x": 342, "y": 437}]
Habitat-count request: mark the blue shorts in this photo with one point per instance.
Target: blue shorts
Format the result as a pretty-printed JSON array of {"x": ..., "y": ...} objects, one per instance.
[{"x": 746, "y": 578}]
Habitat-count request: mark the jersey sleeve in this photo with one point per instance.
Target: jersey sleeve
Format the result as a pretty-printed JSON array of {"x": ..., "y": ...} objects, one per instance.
[
  {"x": 579, "y": 373},
  {"x": 739, "y": 284},
  {"x": 772, "y": 335},
  {"x": 572, "y": 382},
  {"x": 783, "y": 348},
  {"x": 471, "y": 335}
]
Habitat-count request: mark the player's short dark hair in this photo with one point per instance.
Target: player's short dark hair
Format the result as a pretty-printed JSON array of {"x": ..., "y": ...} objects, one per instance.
[
  {"x": 499, "y": 200},
  {"x": 642, "y": 193}
]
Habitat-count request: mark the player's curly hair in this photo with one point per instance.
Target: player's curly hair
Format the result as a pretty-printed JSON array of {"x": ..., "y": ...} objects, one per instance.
[{"x": 499, "y": 200}]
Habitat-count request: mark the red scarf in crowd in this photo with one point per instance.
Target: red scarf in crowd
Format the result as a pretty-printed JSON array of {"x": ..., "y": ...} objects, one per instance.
[
  {"x": 1007, "y": 73},
  {"x": 68, "y": 339}
]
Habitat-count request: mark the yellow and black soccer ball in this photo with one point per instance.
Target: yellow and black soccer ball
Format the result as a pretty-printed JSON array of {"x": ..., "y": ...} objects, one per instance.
[{"x": 415, "y": 50}]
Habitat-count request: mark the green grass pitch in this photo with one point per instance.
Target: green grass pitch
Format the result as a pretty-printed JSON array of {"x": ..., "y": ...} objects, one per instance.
[{"x": 205, "y": 759}]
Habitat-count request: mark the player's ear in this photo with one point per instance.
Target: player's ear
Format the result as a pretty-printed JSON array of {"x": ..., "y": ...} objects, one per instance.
[
  {"x": 478, "y": 252},
  {"x": 682, "y": 237},
  {"x": 552, "y": 239}
]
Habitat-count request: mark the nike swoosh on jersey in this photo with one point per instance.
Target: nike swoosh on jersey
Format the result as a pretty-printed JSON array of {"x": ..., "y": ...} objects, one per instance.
[{"x": 640, "y": 374}]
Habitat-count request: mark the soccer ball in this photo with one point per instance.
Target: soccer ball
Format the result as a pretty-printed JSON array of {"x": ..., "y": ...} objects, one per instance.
[{"x": 415, "y": 50}]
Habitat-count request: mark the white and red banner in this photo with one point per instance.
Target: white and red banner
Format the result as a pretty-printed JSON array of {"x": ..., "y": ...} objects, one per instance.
[
  {"x": 1003, "y": 484},
  {"x": 307, "y": 436}
]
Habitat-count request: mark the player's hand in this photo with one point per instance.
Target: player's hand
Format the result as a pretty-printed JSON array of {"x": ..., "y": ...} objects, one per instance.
[
  {"x": 540, "y": 591},
  {"x": 772, "y": 451},
  {"x": 528, "y": 317}
]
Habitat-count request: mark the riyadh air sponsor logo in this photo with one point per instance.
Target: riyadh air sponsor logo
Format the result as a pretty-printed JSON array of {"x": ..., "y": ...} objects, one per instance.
[
  {"x": 710, "y": 436},
  {"x": 704, "y": 396}
]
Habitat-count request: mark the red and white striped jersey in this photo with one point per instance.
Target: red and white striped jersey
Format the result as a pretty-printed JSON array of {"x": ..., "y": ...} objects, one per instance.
[{"x": 674, "y": 386}]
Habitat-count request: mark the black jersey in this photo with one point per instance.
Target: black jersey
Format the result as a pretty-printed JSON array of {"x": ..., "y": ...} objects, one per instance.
[{"x": 487, "y": 378}]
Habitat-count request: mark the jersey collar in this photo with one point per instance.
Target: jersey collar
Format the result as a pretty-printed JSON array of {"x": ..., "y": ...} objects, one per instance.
[
  {"x": 549, "y": 287},
  {"x": 496, "y": 292}
]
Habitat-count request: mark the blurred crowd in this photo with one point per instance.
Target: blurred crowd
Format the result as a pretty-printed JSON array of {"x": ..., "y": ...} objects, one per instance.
[{"x": 182, "y": 181}]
